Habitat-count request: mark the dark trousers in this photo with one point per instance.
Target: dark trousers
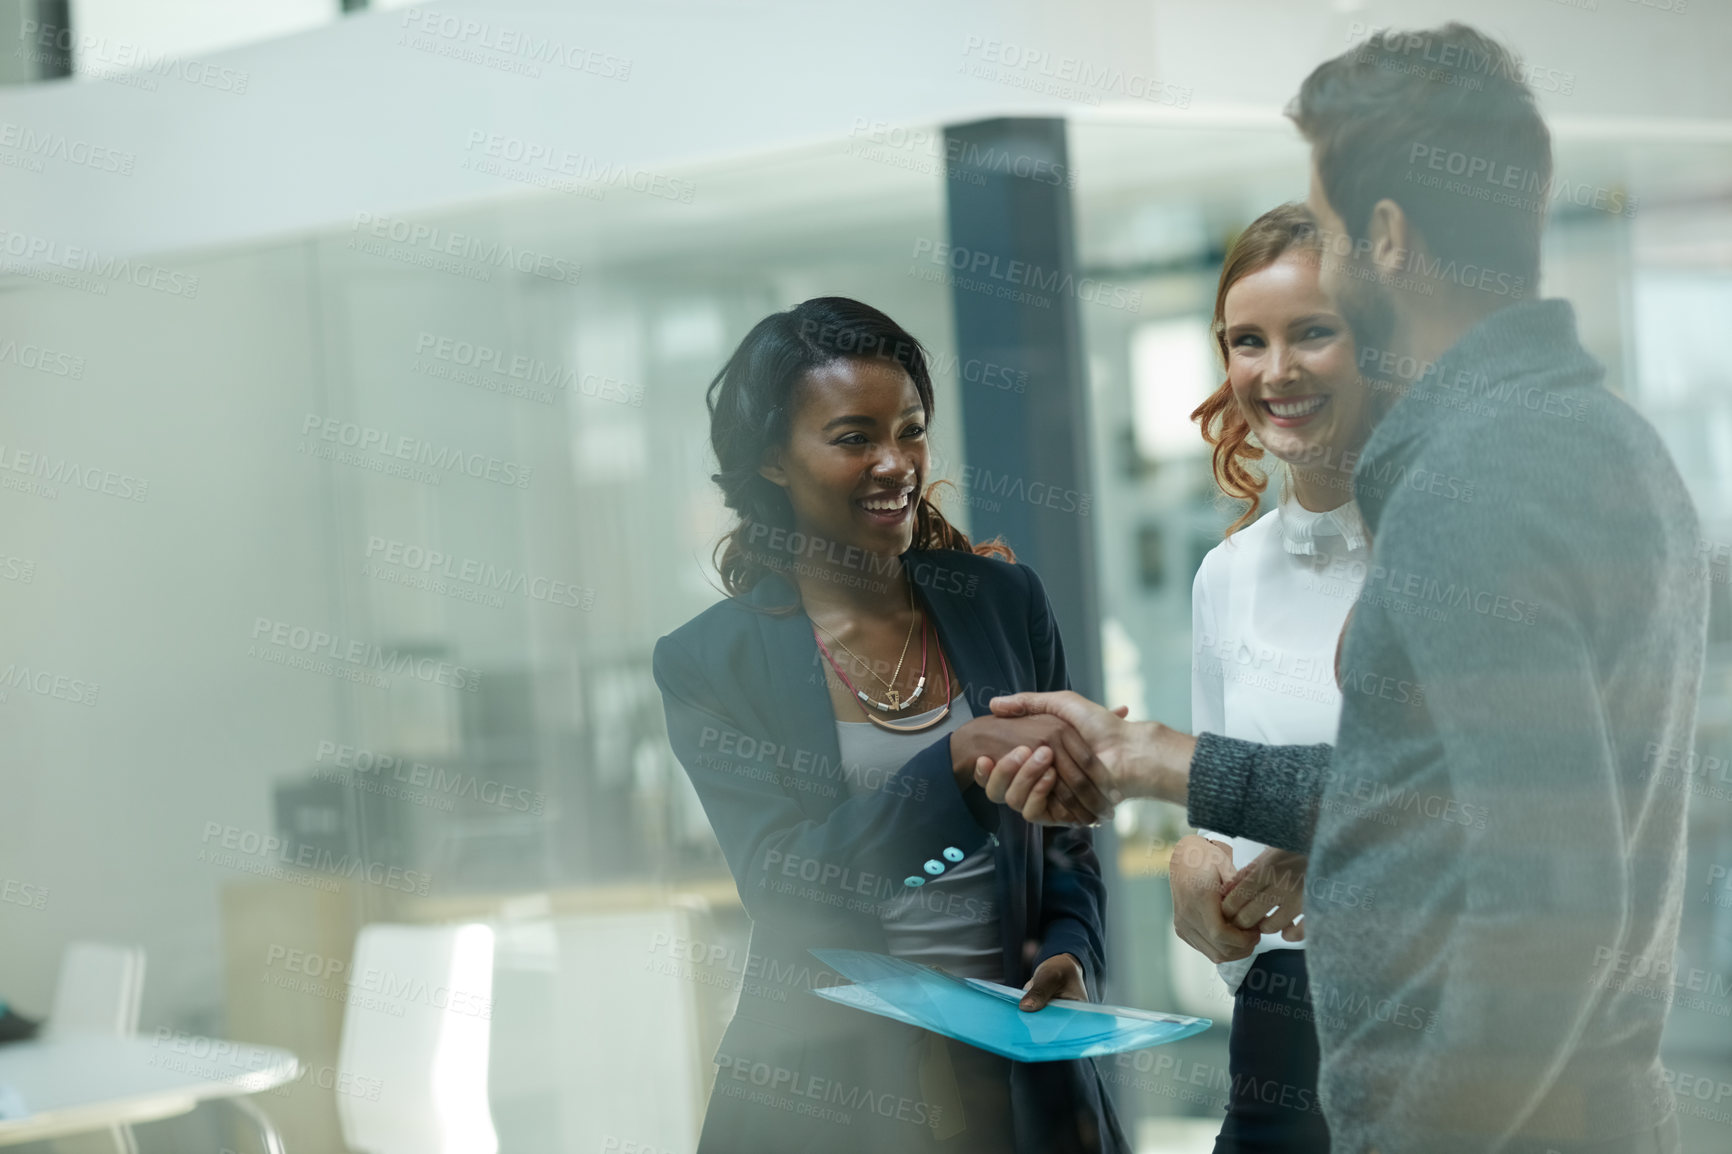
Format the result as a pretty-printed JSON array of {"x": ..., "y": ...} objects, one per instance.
[{"x": 1272, "y": 1107}]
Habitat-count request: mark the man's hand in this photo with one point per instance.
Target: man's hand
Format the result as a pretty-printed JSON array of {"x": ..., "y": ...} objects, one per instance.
[
  {"x": 1141, "y": 759},
  {"x": 1103, "y": 729},
  {"x": 1030, "y": 781},
  {"x": 1060, "y": 976},
  {"x": 1200, "y": 870},
  {"x": 1074, "y": 789},
  {"x": 1269, "y": 894}
]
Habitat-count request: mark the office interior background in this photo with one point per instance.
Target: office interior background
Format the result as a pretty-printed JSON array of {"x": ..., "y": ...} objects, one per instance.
[{"x": 269, "y": 684}]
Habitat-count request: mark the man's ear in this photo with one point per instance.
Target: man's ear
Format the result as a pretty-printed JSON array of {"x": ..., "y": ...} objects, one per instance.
[
  {"x": 771, "y": 468},
  {"x": 1391, "y": 236}
]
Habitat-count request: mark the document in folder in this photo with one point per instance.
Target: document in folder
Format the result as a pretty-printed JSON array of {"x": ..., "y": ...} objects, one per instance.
[{"x": 985, "y": 1014}]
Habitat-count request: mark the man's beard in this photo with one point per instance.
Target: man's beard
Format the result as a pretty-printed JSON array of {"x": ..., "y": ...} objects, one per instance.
[{"x": 1368, "y": 306}]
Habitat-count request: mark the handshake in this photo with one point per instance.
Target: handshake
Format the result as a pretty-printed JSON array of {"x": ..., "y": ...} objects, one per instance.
[{"x": 1060, "y": 759}]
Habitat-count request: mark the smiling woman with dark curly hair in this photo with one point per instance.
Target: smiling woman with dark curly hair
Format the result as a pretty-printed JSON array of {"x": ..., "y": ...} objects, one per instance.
[{"x": 830, "y": 713}]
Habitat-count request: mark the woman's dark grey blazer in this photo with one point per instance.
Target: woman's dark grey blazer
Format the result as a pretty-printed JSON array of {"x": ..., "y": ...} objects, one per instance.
[{"x": 749, "y": 716}]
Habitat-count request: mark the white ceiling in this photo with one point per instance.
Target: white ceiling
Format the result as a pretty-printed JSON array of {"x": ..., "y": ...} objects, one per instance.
[{"x": 756, "y": 99}]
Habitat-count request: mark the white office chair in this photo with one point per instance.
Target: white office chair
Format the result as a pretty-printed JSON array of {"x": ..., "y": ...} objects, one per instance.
[
  {"x": 631, "y": 1063},
  {"x": 417, "y": 1083},
  {"x": 99, "y": 991}
]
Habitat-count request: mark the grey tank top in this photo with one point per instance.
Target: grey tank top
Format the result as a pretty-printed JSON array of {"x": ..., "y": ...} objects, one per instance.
[{"x": 953, "y": 920}]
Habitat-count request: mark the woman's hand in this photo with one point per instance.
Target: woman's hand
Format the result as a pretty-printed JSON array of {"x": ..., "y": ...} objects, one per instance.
[
  {"x": 1200, "y": 871},
  {"x": 1075, "y": 769},
  {"x": 1060, "y": 976},
  {"x": 1268, "y": 895}
]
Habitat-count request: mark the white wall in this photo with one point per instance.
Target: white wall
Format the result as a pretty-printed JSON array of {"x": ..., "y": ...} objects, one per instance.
[{"x": 152, "y": 601}]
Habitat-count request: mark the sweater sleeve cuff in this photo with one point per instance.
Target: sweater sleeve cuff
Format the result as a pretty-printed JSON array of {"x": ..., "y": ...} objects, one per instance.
[
  {"x": 1266, "y": 793},
  {"x": 1219, "y": 769}
]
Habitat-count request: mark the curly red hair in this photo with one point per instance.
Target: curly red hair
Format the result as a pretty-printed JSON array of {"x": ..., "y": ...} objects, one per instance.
[{"x": 1264, "y": 241}]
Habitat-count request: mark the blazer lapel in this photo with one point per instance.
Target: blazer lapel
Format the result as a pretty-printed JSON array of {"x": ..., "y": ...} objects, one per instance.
[
  {"x": 961, "y": 629},
  {"x": 797, "y": 701},
  {"x": 804, "y": 717},
  {"x": 799, "y": 713},
  {"x": 969, "y": 641}
]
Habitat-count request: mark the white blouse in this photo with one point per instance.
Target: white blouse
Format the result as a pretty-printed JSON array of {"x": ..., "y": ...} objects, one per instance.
[{"x": 1266, "y": 611}]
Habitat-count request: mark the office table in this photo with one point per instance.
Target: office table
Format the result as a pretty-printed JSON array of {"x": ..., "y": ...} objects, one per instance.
[{"x": 72, "y": 1083}]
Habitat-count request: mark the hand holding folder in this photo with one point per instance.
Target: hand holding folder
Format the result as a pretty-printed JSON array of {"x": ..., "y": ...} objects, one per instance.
[{"x": 985, "y": 1014}]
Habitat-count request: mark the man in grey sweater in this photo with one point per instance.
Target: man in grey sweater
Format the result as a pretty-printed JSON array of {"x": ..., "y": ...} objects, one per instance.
[{"x": 1534, "y": 574}]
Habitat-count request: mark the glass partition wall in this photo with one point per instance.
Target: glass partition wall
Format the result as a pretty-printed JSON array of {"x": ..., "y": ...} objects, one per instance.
[
  {"x": 369, "y": 633},
  {"x": 389, "y": 518}
]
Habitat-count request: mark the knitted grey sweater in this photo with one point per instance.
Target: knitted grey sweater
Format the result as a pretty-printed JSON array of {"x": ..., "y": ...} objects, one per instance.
[{"x": 1497, "y": 838}]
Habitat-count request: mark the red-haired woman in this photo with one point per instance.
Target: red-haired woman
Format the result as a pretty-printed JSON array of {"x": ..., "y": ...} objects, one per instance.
[
  {"x": 1268, "y": 605},
  {"x": 830, "y": 712}
]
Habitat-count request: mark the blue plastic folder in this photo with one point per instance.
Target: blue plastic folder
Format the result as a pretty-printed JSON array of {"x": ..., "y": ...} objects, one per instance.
[{"x": 985, "y": 1014}]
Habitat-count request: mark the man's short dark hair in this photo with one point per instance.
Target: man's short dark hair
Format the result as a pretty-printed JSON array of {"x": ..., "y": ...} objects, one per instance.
[{"x": 1443, "y": 123}]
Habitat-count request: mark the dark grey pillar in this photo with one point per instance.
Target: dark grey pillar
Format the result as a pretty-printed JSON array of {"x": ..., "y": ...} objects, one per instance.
[
  {"x": 35, "y": 40},
  {"x": 1012, "y": 267},
  {"x": 1017, "y": 297}
]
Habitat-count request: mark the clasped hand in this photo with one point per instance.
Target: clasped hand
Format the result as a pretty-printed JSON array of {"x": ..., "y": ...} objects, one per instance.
[
  {"x": 1222, "y": 913},
  {"x": 1075, "y": 786}
]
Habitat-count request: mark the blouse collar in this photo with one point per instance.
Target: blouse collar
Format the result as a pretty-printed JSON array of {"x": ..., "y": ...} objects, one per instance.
[{"x": 1308, "y": 533}]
